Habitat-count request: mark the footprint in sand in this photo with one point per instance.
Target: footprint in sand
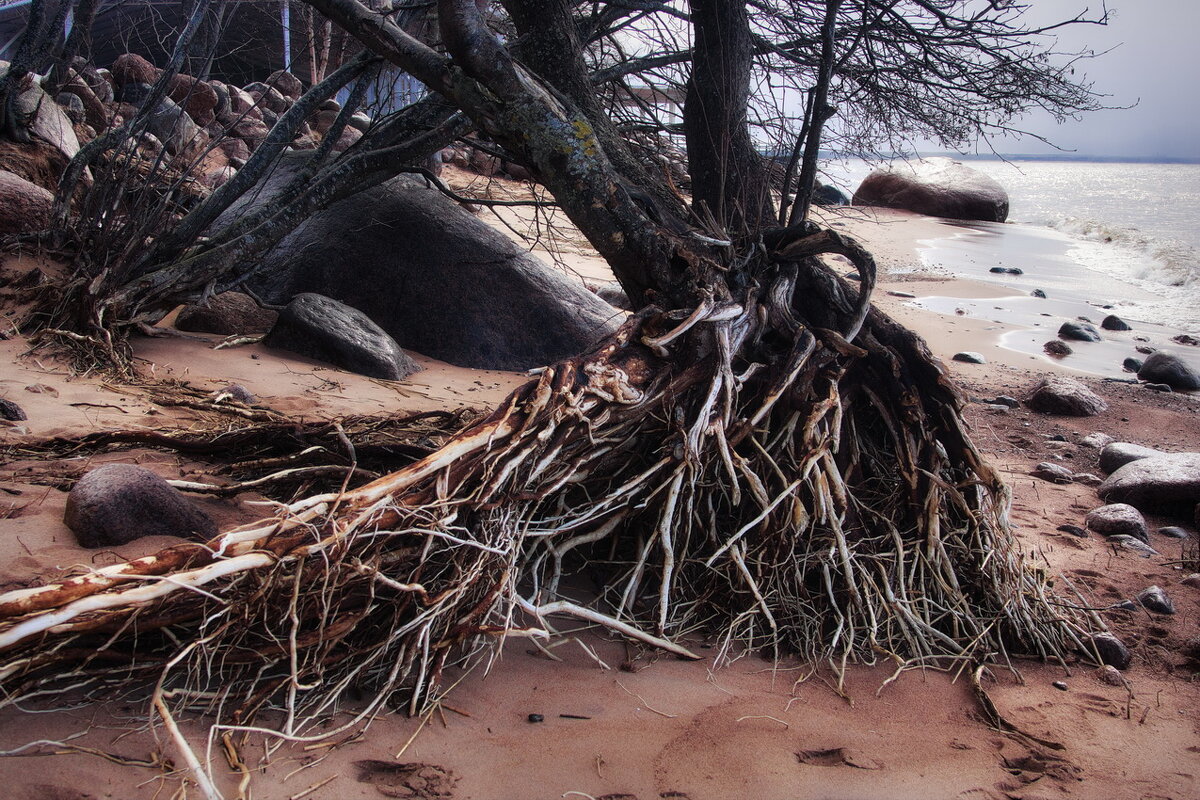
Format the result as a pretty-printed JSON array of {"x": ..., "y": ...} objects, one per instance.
[
  {"x": 414, "y": 781},
  {"x": 838, "y": 757}
]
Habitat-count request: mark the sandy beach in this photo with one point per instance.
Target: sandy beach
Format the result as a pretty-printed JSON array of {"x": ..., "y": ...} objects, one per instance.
[{"x": 618, "y": 721}]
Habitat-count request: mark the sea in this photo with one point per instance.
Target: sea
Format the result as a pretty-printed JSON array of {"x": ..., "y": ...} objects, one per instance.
[{"x": 1098, "y": 237}]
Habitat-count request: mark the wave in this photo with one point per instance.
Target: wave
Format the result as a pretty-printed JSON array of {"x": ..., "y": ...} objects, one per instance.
[{"x": 1134, "y": 254}]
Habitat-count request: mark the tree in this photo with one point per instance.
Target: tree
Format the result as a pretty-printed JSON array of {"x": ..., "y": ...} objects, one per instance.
[{"x": 757, "y": 449}]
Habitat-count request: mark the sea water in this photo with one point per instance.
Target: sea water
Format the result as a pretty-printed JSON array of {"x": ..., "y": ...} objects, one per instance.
[{"x": 1130, "y": 232}]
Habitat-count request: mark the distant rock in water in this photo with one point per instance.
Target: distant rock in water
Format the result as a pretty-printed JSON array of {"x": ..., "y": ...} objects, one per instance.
[
  {"x": 825, "y": 194},
  {"x": 1038, "y": 293},
  {"x": 939, "y": 187},
  {"x": 1007, "y": 270},
  {"x": 1171, "y": 370},
  {"x": 1080, "y": 332}
]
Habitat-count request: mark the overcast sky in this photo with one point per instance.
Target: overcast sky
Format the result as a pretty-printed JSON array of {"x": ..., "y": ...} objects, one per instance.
[{"x": 1156, "y": 64}]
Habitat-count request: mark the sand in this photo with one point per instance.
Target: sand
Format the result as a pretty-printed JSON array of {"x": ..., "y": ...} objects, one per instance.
[{"x": 638, "y": 724}]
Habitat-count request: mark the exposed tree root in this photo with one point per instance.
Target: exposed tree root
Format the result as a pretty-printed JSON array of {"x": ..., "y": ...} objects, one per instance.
[{"x": 791, "y": 469}]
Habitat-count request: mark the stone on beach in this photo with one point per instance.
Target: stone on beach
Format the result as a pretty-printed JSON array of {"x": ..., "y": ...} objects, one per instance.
[
  {"x": 1061, "y": 395},
  {"x": 969, "y": 357},
  {"x": 939, "y": 187},
  {"x": 1165, "y": 480},
  {"x": 1117, "y": 454},
  {"x": 1055, "y": 473},
  {"x": 1118, "y": 519},
  {"x": 1154, "y": 598},
  {"x": 1112, "y": 651},
  {"x": 1079, "y": 332},
  {"x": 11, "y": 411},
  {"x": 118, "y": 503},
  {"x": 1056, "y": 347},
  {"x": 322, "y": 328},
  {"x": 1171, "y": 370},
  {"x": 1114, "y": 323},
  {"x": 24, "y": 206}
]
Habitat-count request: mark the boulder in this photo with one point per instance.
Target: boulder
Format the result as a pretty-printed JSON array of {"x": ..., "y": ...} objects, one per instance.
[
  {"x": 132, "y": 68},
  {"x": 240, "y": 102},
  {"x": 939, "y": 187},
  {"x": 223, "y": 106},
  {"x": 268, "y": 97},
  {"x": 1117, "y": 454},
  {"x": 195, "y": 97},
  {"x": 1118, "y": 519},
  {"x": 1079, "y": 332},
  {"x": 227, "y": 313},
  {"x": 1131, "y": 364},
  {"x": 1169, "y": 480},
  {"x": 72, "y": 105},
  {"x": 1155, "y": 599},
  {"x": 323, "y": 120},
  {"x": 286, "y": 84},
  {"x": 322, "y": 328},
  {"x": 1096, "y": 441},
  {"x": 1057, "y": 348},
  {"x": 359, "y": 121},
  {"x": 438, "y": 280},
  {"x": 348, "y": 137},
  {"x": 1173, "y": 532},
  {"x": 969, "y": 357},
  {"x": 1114, "y": 323},
  {"x": 1112, "y": 651},
  {"x": 215, "y": 178},
  {"x": 1061, "y": 395},
  {"x": 47, "y": 120},
  {"x": 24, "y": 206},
  {"x": 612, "y": 293},
  {"x": 118, "y": 503},
  {"x": 1171, "y": 370}
]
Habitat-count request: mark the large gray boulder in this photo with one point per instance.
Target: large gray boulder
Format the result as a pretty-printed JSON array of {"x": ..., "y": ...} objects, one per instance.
[
  {"x": 1060, "y": 395},
  {"x": 24, "y": 206},
  {"x": 322, "y": 328},
  {"x": 1172, "y": 370},
  {"x": 1118, "y": 519},
  {"x": 438, "y": 280},
  {"x": 1117, "y": 454},
  {"x": 48, "y": 120},
  {"x": 1156, "y": 482},
  {"x": 118, "y": 503},
  {"x": 939, "y": 187}
]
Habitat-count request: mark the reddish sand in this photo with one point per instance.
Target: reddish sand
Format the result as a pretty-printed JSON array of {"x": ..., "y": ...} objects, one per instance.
[{"x": 640, "y": 724}]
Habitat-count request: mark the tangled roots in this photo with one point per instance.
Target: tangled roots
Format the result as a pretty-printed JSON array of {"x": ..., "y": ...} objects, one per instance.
[{"x": 730, "y": 467}]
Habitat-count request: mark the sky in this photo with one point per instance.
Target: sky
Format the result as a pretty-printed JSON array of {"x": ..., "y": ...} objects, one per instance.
[{"x": 1154, "y": 63}]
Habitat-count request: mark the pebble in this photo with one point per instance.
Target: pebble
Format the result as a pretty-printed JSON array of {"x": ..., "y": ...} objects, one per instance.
[
  {"x": 1038, "y": 293},
  {"x": 536, "y": 718},
  {"x": 1137, "y": 545},
  {"x": 1007, "y": 270},
  {"x": 1110, "y": 675},
  {"x": 1112, "y": 651},
  {"x": 907, "y": 295},
  {"x": 1074, "y": 530},
  {"x": 970, "y": 357},
  {"x": 1153, "y": 598},
  {"x": 1062, "y": 687},
  {"x": 11, "y": 411},
  {"x": 1052, "y": 472}
]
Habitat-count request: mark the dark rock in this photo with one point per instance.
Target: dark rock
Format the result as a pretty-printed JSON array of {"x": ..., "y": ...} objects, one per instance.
[
  {"x": 226, "y": 314},
  {"x": 1155, "y": 599},
  {"x": 825, "y": 194},
  {"x": 287, "y": 84},
  {"x": 1133, "y": 543},
  {"x": 969, "y": 357},
  {"x": 132, "y": 68},
  {"x": 1074, "y": 530},
  {"x": 438, "y": 280},
  {"x": 72, "y": 104},
  {"x": 1124, "y": 605},
  {"x": 224, "y": 102},
  {"x": 1005, "y": 400},
  {"x": 1096, "y": 441},
  {"x": 1007, "y": 270},
  {"x": 1058, "y": 437},
  {"x": 906, "y": 295},
  {"x": 1062, "y": 687},
  {"x": 612, "y": 293},
  {"x": 24, "y": 206},
  {"x": 1057, "y": 348},
  {"x": 118, "y": 503},
  {"x": 1144, "y": 350},
  {"x": 1038, "y": 293},
  {"x": 939, "y": 187},
  {"x": 320, "y": 327},
  {"x": 235, "y": 392},
  {"x": 1079, "y": 332},
  {"x": 1114, "y": 323},
  {"x": 11, "y": 411},
  {"x": 1112, "y": 651},
  {"x": 1131, "y": 364},
  {"x": 1186, "y": 338},
  {"x": 45, "y": 119},
  {"x": 1118, "y": 519},
  {"x": 1167, "y": 480},
  {"x": 1171, "y": 370},
  {"x": 1061, "y": 395},
  {"x": 1117, "y": 454},
  {"x": 515, "y": 171},
  {"x": 853, "y": 276},
  {"x": 1158, "y": 387},
  {"x": 1173, "y": 532},
  {"x": 1192, "y": 580},
  {"x": 1052, "y": 472},
  {"x": 268, "y": 97}
]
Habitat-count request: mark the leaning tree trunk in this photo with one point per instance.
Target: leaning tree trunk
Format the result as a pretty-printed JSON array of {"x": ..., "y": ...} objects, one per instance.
[{"x": 763, "y": 453}]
